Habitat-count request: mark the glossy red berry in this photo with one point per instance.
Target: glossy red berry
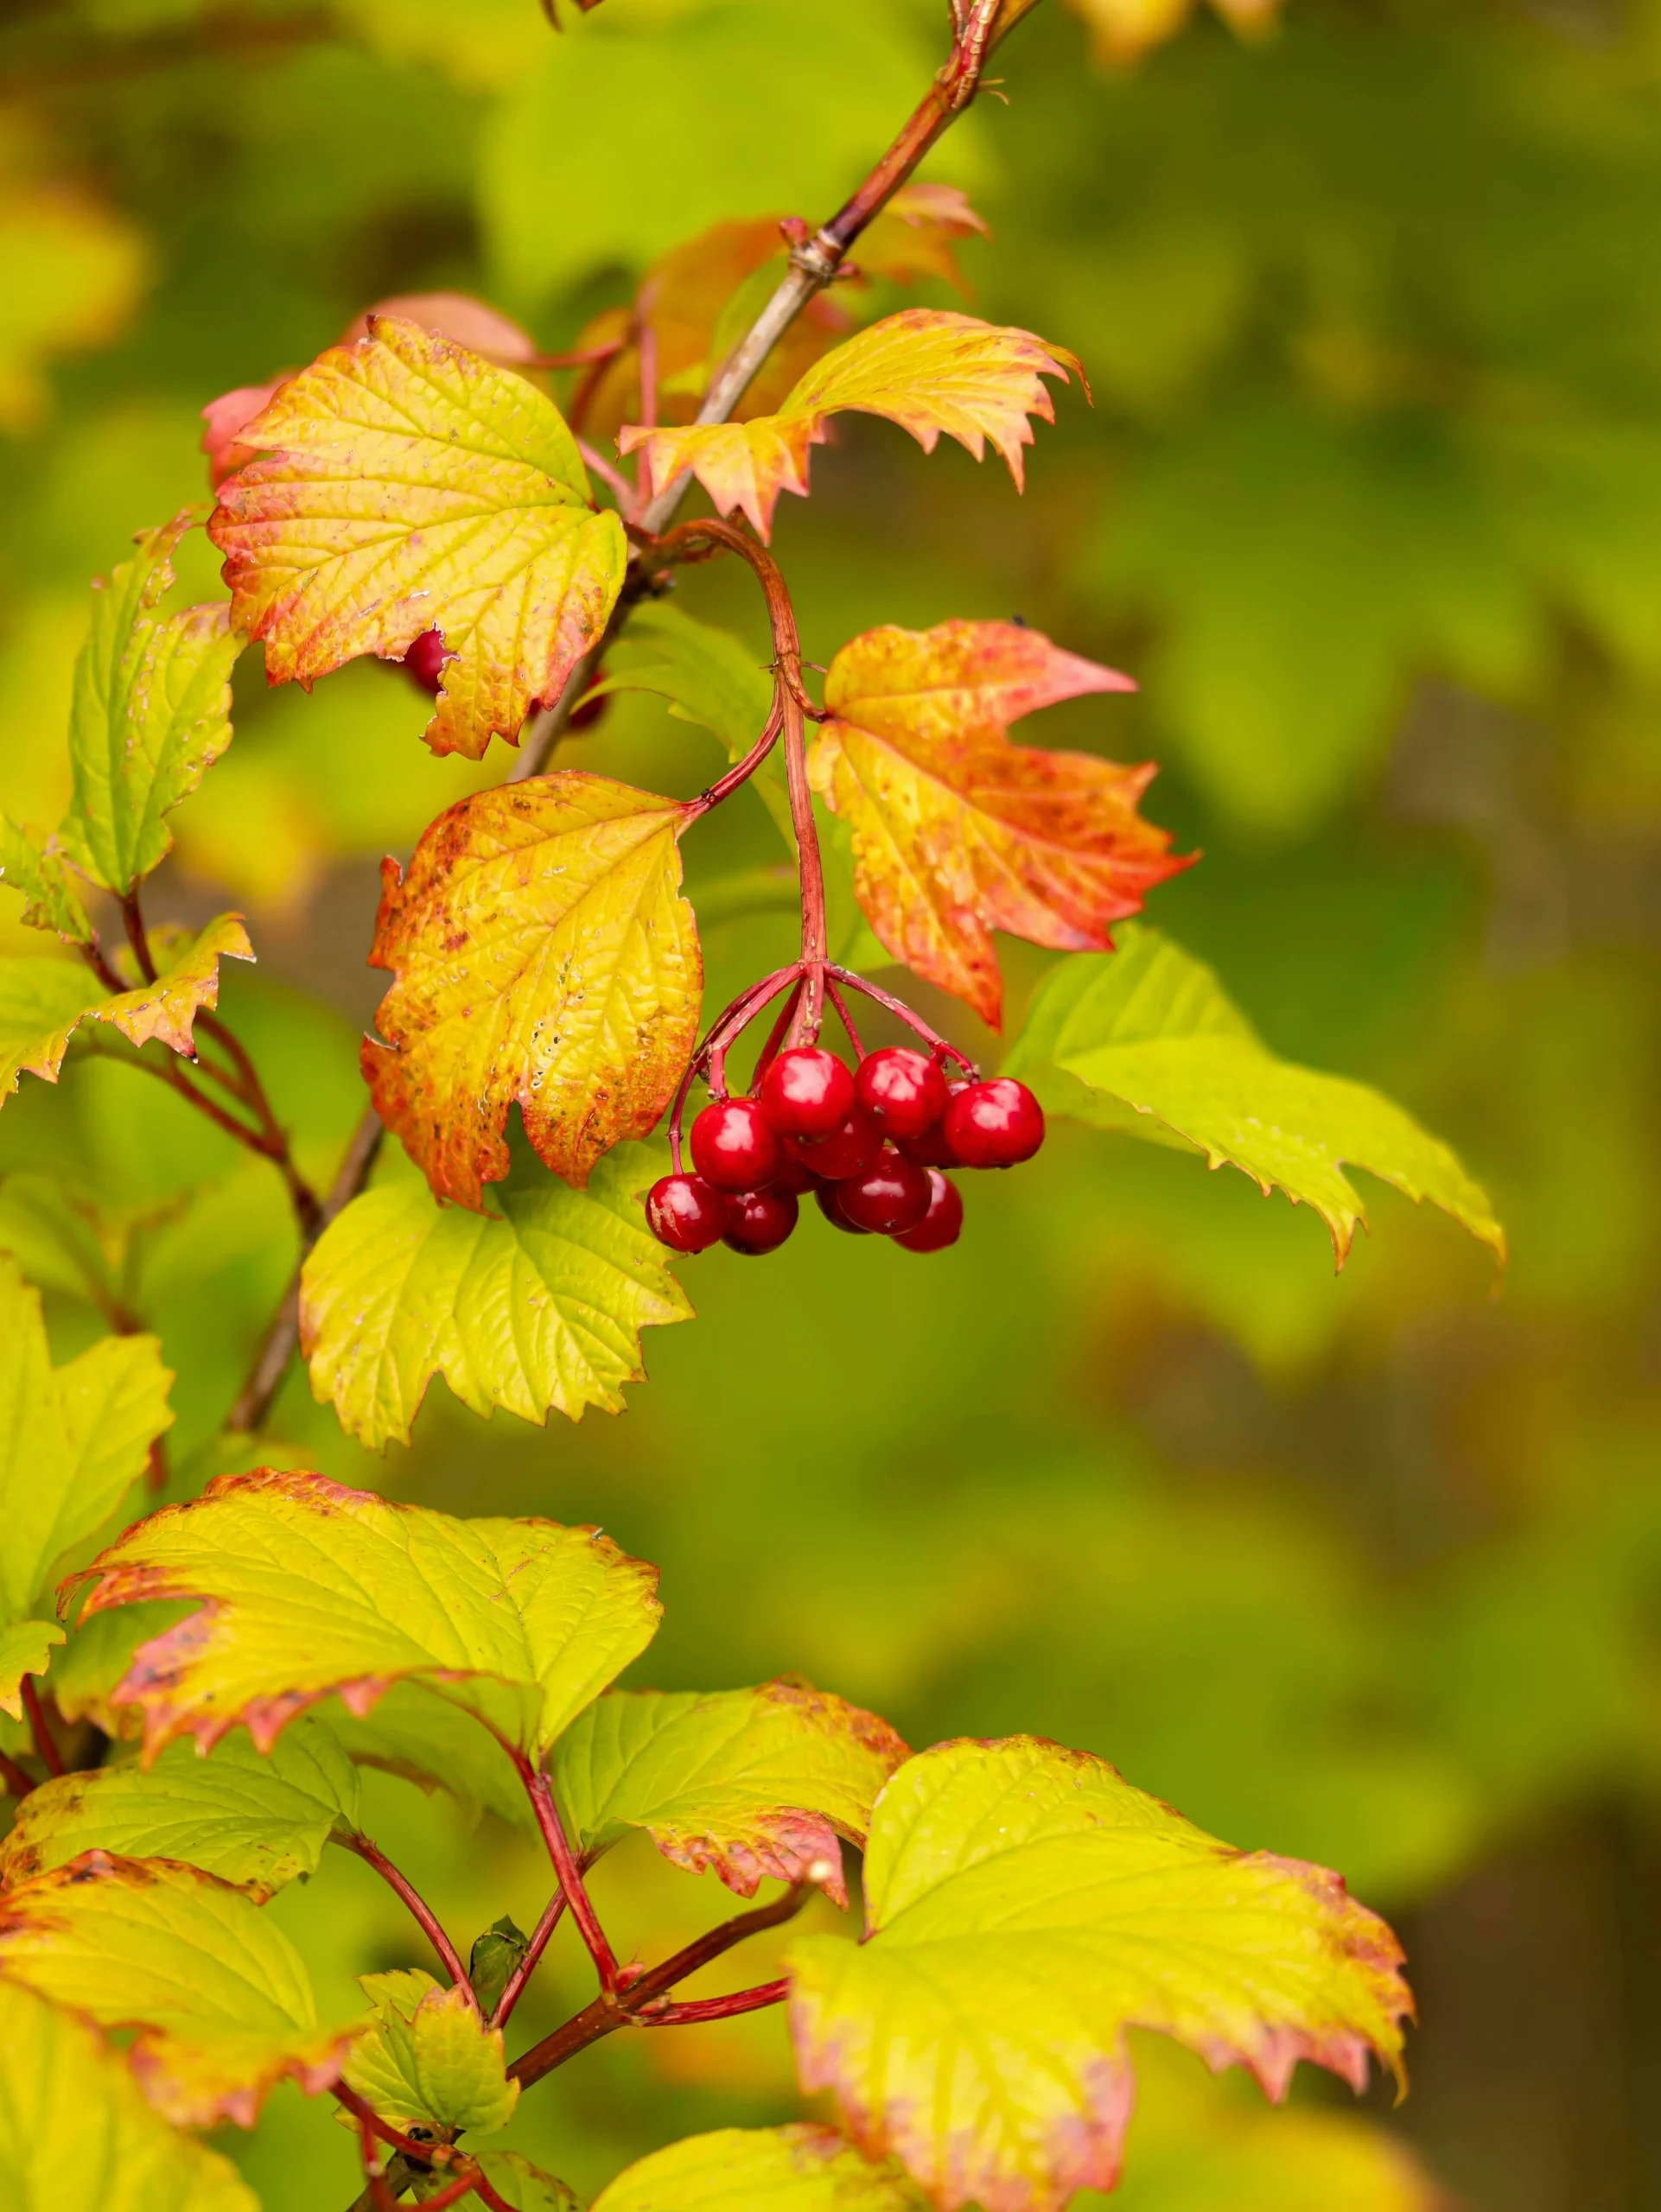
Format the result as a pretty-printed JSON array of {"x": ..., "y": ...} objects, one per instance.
[
  {"x": 792, "y": 1175},
  {"x": 847, "y": 1151},
  {"x": 933, "y": 1150},
  {"x": 686, "y": 1213},
  {"x": 830, "y": 1204},
  {"x": 808, "y": 1092},
  {"x": 995, "y": 1124},
  {"x": 760, "y": 1221},
  {"x": 905, "y": 1090},
  {"x": 734, "y": 1146},
  {"x": 425, "y": 660},
  {"x": 889, "y": 1198},
  {"x": 941, "y": 1224}
]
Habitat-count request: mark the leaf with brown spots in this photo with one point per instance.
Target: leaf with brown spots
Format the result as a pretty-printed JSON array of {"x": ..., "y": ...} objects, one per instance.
[
  {"x": 757, "y": 1783},
  {"x": 957, "y": 832},
  {"x": 308, "y": 1588},
  {"x": 220, "y": 1999},
  {"x": 1024, "y": 1907},
  {"x": 405, "y": 486},
  {"x": 543, "y": 958}
]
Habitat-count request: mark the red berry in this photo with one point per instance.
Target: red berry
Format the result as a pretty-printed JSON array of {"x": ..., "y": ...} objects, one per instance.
[
  {"x": 830, "y": 1203},
  {"x": 995, "y": 1124},
  {"x": 425, "y": 660},
  {"x": 734, "y": 1146},
  {"x": 940, "y": 1224},
  {"x": 890, "y": 1197},
  {"x": 808, "y": 1091},
  {"x": 905, "y": 1090},
  {"x": 760, "y": 1221},
  {"x": 685, "y": 1212},
  {"x": 847, "y": 1151}
]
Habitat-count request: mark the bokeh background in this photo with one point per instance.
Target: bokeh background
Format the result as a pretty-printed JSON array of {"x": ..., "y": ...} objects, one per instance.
[{"x": 1364, "y": 1569}]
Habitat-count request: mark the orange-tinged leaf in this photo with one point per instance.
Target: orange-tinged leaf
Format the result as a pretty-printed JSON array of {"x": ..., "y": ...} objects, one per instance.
[
  {"x": 455, "y": 315},
  {"x": 544, "y": 957},
  {"x": 405, "y": 484},
  {"x": 927, "y": 369},
  {"x": 226, "y": 419},
  {"x": 957, "y": 832},
  {"x": 913, "y": 235}
]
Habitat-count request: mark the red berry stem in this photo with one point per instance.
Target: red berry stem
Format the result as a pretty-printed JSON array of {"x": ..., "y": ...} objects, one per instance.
[
  {"x": 847, "y": 1021},
  {"x": 931, "y": 1038}
]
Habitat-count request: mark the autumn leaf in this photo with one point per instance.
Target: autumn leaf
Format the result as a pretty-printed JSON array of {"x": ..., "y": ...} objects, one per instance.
[
  {"x": 543, "y": 958},
  {"x": 914, "y": 234},
  {"x": 757, "y": 1783},
  {"x": 26, "y": 1648},
  {"x": 76, "y": 2134},
  {"x": 30, "y": 864},
  {"x": 150, "y": 715},
  {"x": 956, "y": 832},
  {"x": 1024, "y": 1907},
  {"x": 222, "y": 2001},
  {"x": 430, "y": 2060},
  {"x": 256, "y": 1820},
  {"x": 1149, "y": 1044},
  {"x": 44, "y": 1000},
  {"x": 798, "y": 2169},
  {"x": 537, "y": 1309},
  {"x": 306, "y": 1588},
  {"x": 927, "y": 369},
  {"x": 405, "y": 486},
  {"x": 415, "y": 1732}
]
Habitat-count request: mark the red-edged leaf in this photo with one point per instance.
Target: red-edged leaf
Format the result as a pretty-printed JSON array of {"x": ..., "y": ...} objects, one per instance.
[{"x": 914, "y": 234}]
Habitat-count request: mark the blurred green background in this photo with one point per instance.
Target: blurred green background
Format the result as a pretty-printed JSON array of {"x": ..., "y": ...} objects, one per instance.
[{"x": 1366, "y": 1570}]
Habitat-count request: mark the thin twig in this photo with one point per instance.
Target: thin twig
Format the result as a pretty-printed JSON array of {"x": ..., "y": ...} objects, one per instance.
[
  {"x": 718, "y": 2008},
  {"x": 552, "y": 1913},
  {"x": 571, "y": 1874},
  {"x": 46, "y": 1745},
  {"x": 425, "y": 1919}
]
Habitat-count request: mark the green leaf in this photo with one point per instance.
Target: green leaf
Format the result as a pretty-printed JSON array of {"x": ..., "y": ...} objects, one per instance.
[
  {"x": 76, "y": 2134},
  {"x": 416, "y": 1733},
  {"x": 309, "y": 1587},
  {"x": 495, "y": 1960},
  {"x": 1024, "y": 1906},
  {"x": 1143, "y": 1040},
  {"x": 255, "y": 1820},
  {"x": 25, "y": 1649},
  {"x": 222, "y": 2001},
  {"x": 757, "y": 1784},
  {"x": 72, "y": 1439},
  {"x": 538, "y": 1309},
  {"x": 798, "y": 2169},
  {"x": 429, "y": 2061},
  {"x": 151, "y": 713},
  {"x": 44, "y": 1000},
  {"x": 27, "y": 864},
  {"x": 521, "y": 2185}
]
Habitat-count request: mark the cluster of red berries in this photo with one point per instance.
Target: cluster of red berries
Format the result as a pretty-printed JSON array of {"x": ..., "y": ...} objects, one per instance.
[{"x": 872, "y": 1146}]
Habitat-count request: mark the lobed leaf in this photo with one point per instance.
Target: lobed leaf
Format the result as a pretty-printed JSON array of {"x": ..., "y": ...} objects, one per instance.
[
  {"x": 219, "y": 1996},
  {"x": 308, "y": 1587},
  {"x": 956, "y": 832},
  {"x": 33, "y": 867},
  {"x": 537, "y": 1309},
  {"x": 44, "y": 1000},
  {"x": 415, "y": 1732},
  {"x": 25, "y": 1649},
  {"x": 798, "y": 2169},
  {"x": 430, "y": 2060},
  {"x": 76, "y": 2134},
  {"x": 73, "y": 1439},
  {"x": 407, "y": 485},
  {"x": 1024, "y": 1906},
  {"x": 1149, "y": 1043},
  {"x": 543, "y": 958},
  {"x": 256, "y": 1820},
  {"x": 757, "y": 1784},
  {"x": 150, "y": 713},
  {"x": 927, "y": 369}
]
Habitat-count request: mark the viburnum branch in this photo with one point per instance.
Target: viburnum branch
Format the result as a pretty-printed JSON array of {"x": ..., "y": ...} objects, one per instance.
[
  {"x": 608, "y": 2013},
  {"x": 45, "y": 1744},
  {"x": 551, "y": 1914},
  {"x": 423, "y": 1914},
  {"x": 465, "y": 2185},
  {"x": 815, "y": 259},
  {"x": 426, "y": 2154},
  {"x": 541, "y": 1795},
  {"x": 717, "y": 2008},
  {"x": 382, "y": 2198},
  {"x": 19, "y": 1785}
]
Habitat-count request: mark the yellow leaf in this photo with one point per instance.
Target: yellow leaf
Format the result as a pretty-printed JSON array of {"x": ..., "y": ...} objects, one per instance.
[
  {"x": 543, "y": 958},
  {"x": 926, "y": 369},
  {"x": 408, "y": 485}
]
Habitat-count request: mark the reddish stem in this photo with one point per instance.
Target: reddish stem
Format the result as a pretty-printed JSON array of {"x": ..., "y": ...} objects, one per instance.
[
  {"x": 569, "y": 1873},
  {"x": 462, "y": 2186},
  {"x": 742, "y": 770},
  {"x": 18, "y": 1784},
  {"x": 718, "y": 2008},
  {"x": 133, "y": 921},
  {"x": 527, "y": 1966},
  {"x": 380, "y": 2193},
  {"x": 46, "y": 1745},
  {"x": 426, "y": 2154},
  {"x": 914, "y": 1021},
  {"x": 420, "y": 1912},
  {"x": 833, "y": 993}
]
